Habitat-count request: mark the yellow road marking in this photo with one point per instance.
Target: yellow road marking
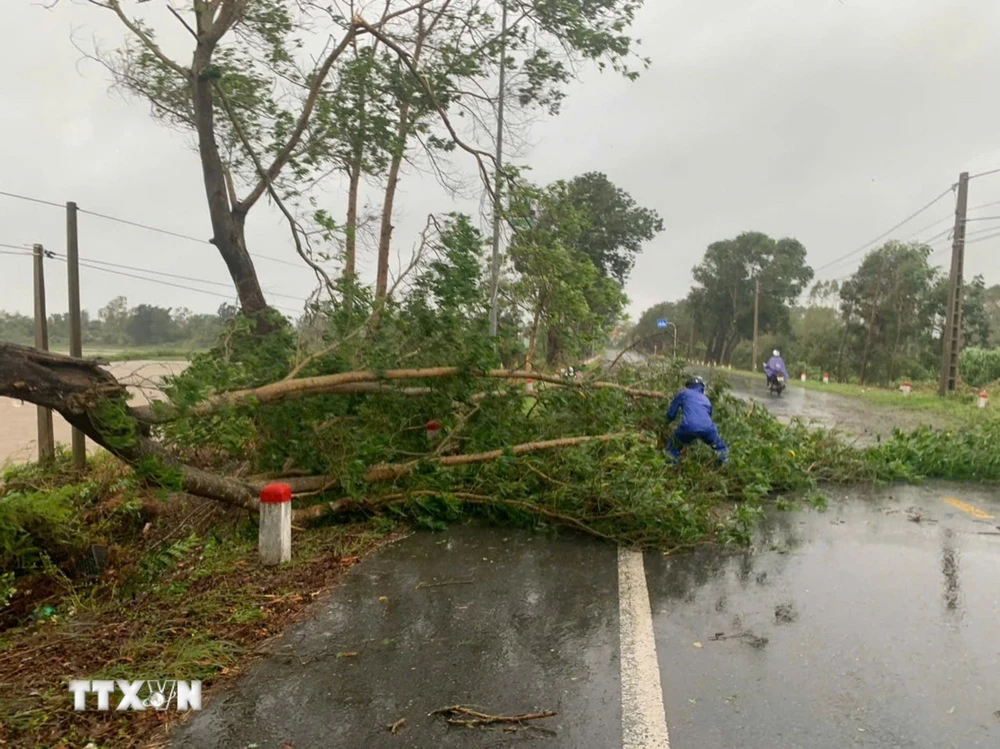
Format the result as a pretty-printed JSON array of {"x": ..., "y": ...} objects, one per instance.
[{"x": 966, "y": 507}]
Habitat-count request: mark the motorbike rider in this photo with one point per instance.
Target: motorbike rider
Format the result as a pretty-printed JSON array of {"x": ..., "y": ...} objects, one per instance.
[
  {"x": 775, "y": 366},
  {"x": 696, "y": 421}
]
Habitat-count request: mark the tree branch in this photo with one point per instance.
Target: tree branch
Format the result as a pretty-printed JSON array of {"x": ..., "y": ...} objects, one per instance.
[
  {"x": 266, "y": 180},
  {"x": 478, "y": 154},
  {"x": 142, "y": 36},
  {"x": 392, "y": 471},
  {"x": 284, "y": 154},
  {"x": 287, "y": 390}
]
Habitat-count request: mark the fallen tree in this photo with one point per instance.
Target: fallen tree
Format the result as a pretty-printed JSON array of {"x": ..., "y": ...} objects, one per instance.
[{"x": 93, "y": 401}]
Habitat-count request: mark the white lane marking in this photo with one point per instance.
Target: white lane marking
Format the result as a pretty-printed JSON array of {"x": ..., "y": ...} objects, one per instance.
[{"x": 644, "y": 720}]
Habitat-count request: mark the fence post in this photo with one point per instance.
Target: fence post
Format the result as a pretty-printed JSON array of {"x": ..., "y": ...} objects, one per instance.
[
  {"x": 274, "y": 534},
  {"x": 46, "y": 437},
  {"x": 75, "y": 318}
]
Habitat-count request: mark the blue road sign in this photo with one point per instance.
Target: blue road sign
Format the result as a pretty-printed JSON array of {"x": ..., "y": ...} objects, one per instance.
[{"x": 661, "y": 324}]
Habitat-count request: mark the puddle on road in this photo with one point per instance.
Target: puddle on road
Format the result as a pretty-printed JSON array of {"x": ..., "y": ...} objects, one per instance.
[{"x": 880, "y": 618}]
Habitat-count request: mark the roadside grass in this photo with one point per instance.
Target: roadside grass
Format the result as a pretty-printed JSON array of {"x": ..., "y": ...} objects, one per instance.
[{"x": 184, "y": 597}]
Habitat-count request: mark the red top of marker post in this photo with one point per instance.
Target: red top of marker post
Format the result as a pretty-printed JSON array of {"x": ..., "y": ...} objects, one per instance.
[
  {"x": 433, "y": 425},
  {"x": 275, "y": 494}
]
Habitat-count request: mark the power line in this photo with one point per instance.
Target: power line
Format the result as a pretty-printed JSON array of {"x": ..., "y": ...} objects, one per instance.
[
  {"x": 983, "y": 239},
  {"x": 139, "y": 225},
  {"x": 227, "y": 297},
  {"x": 885, "y": 234},
  {"x": 985, "y": 174},
  {"x": 22, "y": 248},
  {"x": 19, "y": 253},
  {"x": 30, "y": 200},
  {"x": 985, "y": 205},
  {"x": 175, "y": 275},
  {"x": 949, "y": 218},
  {"x": 170, "y": 233}
]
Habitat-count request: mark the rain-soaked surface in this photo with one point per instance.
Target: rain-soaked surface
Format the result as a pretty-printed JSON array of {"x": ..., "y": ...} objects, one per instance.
[
  {"x": 856, "y": 418},
  {"x": 508, "y": 622},
  {"x": 854, "y": 627}
]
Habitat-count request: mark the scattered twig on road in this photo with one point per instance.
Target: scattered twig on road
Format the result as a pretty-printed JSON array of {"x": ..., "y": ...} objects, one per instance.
[
  {"x": 749, "y": 637},
  {"x": 395, "y": 727},
  {"x": 459, "y": 715},
  {"x": 443, "y": 583}
]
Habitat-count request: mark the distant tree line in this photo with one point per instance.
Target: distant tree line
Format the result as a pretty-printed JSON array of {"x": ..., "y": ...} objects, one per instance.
[
  {"x": 881, "y": 325},
  {"x": 118, "y": 325}
]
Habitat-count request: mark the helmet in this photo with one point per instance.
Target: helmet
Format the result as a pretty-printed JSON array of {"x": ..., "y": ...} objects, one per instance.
[
  {"x": 776, "y": 352},
  {"x": 695, "y": 380}
]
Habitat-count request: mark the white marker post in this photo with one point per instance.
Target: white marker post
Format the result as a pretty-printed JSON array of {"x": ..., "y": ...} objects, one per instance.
[
  {"x": 984, "y": 398},
  {"x": 907, "y": 387},
  {"x": 274, "y": 536},
  {"x": 826, "y": 378}
]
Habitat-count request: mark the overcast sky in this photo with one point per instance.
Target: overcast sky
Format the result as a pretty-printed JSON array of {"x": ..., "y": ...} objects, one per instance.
[{"x": 825, "y": 120}]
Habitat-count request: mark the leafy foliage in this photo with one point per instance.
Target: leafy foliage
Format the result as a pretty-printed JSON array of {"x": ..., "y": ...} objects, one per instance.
[
  {"x": 723, "y": 299},
  {"x": 979, "y": 366}
]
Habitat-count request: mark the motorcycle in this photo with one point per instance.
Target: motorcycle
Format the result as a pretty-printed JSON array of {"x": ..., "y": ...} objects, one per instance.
[{"x": 776, "y": 385}]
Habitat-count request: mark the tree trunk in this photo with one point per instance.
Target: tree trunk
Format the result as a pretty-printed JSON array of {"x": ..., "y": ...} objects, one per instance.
[
  {"x": 93, "y": 401},
  {"x": 388, "y": 203},
  {"x": 533, "y": 340},
  {"x": 392, "y": 181},
  {"x": 553, "y": 346},
  {"x": 895, "y": 345},
  {"x": 869, "y": 337},
  {"x": 227, "y": 220},
  {"x": 351, "y": 240}
]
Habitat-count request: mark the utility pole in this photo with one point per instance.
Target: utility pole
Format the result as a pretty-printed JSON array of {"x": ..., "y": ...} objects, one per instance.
[
  {"x": 498, "y": 175},
  {"x": 951, "y": 335},
  {"x": 756, "y": 315},
  {"x": 46, "y": 437},
  {"x": 75, "y": 320}
]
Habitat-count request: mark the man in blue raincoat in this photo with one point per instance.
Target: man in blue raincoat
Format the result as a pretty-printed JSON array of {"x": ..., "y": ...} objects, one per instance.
[
  {"x": 775, "y": 366},
  {"x": 696, "y": 421}
]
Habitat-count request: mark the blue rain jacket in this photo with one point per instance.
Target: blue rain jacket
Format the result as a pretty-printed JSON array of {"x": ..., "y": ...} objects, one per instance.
[{"x": 696, "y": 409}]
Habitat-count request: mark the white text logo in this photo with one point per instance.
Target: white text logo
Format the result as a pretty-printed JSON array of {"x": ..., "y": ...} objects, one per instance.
[{"x": 137, "y": 695}]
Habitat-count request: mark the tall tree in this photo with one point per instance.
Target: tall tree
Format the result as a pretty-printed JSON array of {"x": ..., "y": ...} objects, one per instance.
[
  {"x": 617, "y": 225},
  {"x": 890, "y": 293},
  {"x": 454, "y": 46},
  {"x": 723, "y": 298}
]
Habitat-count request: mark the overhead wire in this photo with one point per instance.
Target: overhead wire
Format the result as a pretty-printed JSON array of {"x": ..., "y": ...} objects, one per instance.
[
  {"x": 139, "y": 225},
  {"x": 175, "y": 275},
  {"x": 886, "y": 233},
  {"x": 228, "y": 297},
  {"x": 985, "y": 174}
]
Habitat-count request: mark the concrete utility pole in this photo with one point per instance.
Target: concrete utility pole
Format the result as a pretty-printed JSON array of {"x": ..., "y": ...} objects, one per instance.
[
  {"x": 756, "y": 315},
  {"x": 46, "y": 437},
  {"x": 951, "y": 335},
  {"x": 498, "y": 175},
  {"x": 75, "y": 321}
]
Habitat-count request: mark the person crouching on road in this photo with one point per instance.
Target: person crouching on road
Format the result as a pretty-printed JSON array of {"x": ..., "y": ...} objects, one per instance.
[{"x": 696, "y": 421}]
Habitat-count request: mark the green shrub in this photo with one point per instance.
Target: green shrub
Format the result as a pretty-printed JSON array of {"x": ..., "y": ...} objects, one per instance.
[{"x": 979, "y": 366}]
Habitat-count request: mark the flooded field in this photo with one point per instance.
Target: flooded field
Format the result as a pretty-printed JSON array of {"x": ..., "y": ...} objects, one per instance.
[{"x": 18, "y": 435}]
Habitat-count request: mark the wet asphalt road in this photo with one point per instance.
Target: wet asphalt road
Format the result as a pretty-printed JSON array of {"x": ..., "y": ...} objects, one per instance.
[
  {"x": 853, "y": 627},
  {"x": 859, "y": 420}
]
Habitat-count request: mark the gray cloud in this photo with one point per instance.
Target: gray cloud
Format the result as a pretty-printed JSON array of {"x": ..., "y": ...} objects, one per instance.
[{"x": 824, "y": 120}]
